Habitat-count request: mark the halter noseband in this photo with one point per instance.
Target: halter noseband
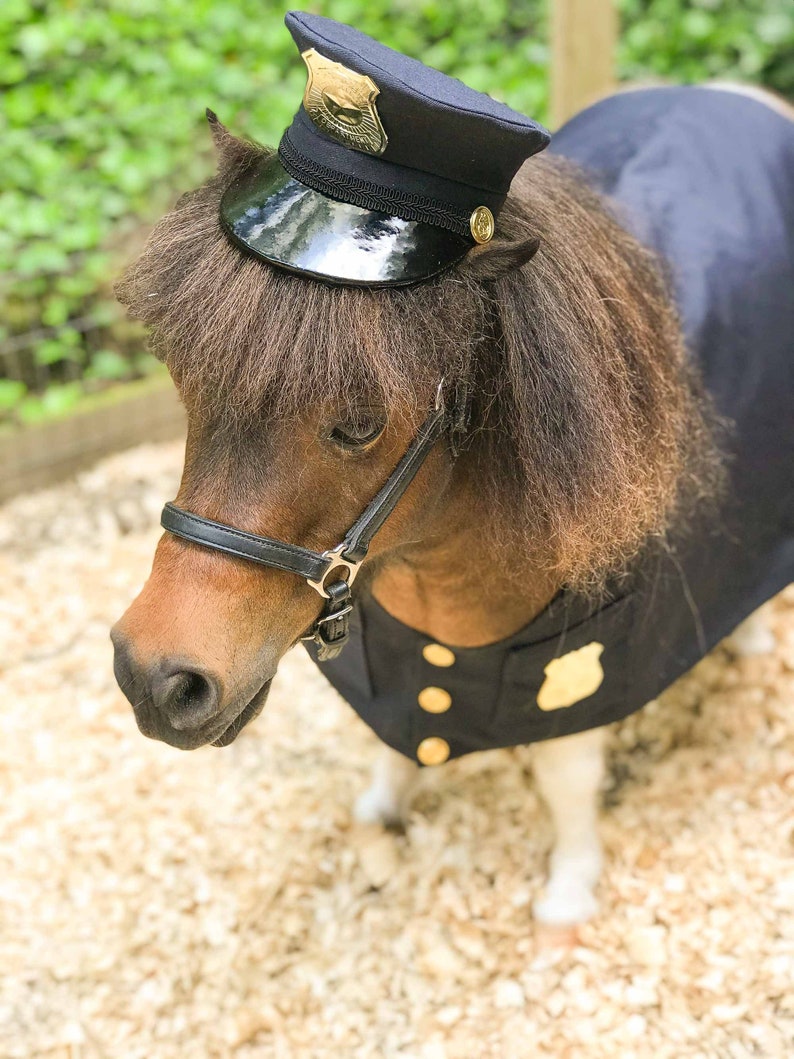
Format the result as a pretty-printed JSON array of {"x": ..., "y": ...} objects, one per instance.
[{"x": 331, "y": 629}]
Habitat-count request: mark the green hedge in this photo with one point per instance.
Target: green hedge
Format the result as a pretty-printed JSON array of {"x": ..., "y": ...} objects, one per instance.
[{"x": 102, "y": 121}]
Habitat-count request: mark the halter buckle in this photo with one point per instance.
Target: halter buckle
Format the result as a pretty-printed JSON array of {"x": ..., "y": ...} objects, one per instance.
[
  {"x": 336, "y": 559},
  {"x": 331, "y": 631},
  {"x": 324, "y": 618}
]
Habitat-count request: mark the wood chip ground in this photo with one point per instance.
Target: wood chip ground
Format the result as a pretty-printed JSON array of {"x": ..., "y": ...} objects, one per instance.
[{"x": 161, "y": 905}]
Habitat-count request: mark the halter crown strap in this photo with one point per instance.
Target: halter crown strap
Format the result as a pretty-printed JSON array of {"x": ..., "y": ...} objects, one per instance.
[{"x": 330, "y": 630}]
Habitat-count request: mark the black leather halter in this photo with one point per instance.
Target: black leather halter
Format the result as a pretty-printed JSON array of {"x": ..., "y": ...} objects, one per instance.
[{"x": 330, "y": 630}]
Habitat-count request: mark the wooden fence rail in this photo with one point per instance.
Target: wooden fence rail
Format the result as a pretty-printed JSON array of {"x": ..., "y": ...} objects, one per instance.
[{"x": 40, "y": 456}]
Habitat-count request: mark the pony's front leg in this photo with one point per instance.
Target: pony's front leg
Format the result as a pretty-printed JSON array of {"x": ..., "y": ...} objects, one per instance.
[
  {"x": 569, "y": 772},
  {"x": 391, "y": 785}
]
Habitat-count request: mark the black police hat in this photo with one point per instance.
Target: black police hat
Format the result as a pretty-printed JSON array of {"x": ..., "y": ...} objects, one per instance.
[{"x": 389, "y": 173}]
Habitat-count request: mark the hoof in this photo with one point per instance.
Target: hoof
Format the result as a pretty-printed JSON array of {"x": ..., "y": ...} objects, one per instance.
[{"x": 565, "y": 906}]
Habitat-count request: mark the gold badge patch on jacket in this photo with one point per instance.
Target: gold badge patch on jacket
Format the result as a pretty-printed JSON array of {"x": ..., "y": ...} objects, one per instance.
[
  {"x": 572, "y": 678},
  {"x": 341, "y": 103}
]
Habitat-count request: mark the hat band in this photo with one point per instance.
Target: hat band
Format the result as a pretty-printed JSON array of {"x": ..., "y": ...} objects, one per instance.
[{"x": 367, "y": 194}]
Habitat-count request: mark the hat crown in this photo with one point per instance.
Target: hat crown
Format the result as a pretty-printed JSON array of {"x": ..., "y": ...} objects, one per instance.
[{"x": 431, "y": 122}]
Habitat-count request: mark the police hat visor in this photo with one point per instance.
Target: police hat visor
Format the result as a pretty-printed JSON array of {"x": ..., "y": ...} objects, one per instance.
[{"x": 275, "y": 217}]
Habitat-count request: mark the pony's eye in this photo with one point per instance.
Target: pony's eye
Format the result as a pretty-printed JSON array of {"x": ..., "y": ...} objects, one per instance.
[{"x": 358, "y": 432}]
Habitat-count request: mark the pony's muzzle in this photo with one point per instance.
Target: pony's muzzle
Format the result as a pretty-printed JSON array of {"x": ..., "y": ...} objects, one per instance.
[{"x": 172, "y": 700}]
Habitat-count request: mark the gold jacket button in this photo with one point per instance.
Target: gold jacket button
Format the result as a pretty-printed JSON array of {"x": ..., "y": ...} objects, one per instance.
[
  {"x": 433, "y": 751},
  {"x": 434, "y": 700},
  {"x": 438, "y": 655}
]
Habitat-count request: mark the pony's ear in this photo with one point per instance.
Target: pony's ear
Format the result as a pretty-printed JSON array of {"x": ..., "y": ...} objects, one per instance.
[
  {"x": 491, "y": 260},
  {"x": 231, "y": 150}
]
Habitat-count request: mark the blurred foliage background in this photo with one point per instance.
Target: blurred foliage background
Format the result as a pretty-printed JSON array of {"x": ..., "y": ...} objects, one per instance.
[{"x": 102, "y": 121}]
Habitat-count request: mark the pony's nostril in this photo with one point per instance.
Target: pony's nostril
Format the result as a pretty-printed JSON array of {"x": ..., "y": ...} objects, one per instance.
[{"x": 187, "y": 698}]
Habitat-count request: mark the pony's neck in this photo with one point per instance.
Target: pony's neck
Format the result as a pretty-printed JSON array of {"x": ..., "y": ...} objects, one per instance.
[{"x": 451, "y": 590}]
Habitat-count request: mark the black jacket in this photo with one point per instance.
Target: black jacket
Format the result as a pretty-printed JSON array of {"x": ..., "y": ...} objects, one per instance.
[{"x": 707, "y": 179}]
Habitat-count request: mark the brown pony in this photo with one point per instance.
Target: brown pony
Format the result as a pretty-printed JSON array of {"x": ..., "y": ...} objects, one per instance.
[{"x": 587, "y": 439}]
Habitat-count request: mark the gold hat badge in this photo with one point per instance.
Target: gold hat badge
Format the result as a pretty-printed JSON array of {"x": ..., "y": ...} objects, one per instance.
[
  {"x": 572, "y": 678},
  {"x": 341, "y": 103}
]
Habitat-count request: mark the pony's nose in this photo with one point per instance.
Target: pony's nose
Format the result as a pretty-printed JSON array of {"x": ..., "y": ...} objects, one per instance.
[{"x": 186, "y": 696}]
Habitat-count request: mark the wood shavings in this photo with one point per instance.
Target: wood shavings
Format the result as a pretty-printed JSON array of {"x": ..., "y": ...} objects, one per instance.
[{"x": 219, "y": 904}]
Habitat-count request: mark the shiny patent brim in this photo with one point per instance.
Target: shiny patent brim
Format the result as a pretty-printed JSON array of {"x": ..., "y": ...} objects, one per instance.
[{"x": 273, "y": 216}]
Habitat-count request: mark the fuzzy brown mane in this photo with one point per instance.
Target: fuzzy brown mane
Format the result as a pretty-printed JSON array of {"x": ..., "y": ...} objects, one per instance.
[{"x": 588, "y": 432}]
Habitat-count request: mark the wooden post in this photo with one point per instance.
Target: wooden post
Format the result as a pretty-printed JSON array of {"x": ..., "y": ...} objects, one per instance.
[{"x": 583, "y": 38}]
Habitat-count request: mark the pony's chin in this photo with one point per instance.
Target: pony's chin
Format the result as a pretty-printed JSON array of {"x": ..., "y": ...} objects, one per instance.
[{"x": 252, "y": 710}]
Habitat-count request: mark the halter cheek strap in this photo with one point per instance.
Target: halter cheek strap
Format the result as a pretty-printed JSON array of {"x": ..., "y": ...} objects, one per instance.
[{"x": 330, "y": 573}]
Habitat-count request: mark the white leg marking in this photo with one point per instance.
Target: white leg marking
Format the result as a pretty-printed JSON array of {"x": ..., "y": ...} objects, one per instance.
[
  {"x": 752, "y": 637},
  {"x": 386, "y": 799},
  {"x": 569, "y": 772}
]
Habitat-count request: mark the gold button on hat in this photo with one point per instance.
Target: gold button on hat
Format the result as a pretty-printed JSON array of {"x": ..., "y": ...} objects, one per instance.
[
  {"x": 438, "y": 655},
  {"x": 433, "y": 751},
  {"x": 434, "y": 700},
  {"x": 482, "y": 225}
]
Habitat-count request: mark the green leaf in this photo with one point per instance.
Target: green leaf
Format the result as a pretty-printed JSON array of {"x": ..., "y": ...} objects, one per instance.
[
  {"x": 11, "y": 393},
  {"x": 108, "y": 364},
  {"x": 57, "y": 400}
]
